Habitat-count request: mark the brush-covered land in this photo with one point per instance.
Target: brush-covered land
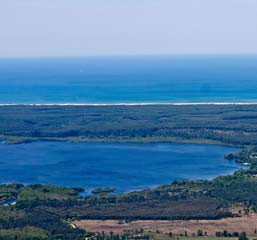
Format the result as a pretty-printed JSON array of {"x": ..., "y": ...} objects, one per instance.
[
  {"x": 222, "y": 124},
  {"x": 48, "y": 212}
]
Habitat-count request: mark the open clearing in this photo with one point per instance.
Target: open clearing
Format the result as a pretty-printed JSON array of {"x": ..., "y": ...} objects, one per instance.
[{"x": 246, "y": 224}]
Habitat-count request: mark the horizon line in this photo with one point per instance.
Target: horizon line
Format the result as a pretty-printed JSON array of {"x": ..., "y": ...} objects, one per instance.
[{"x": 129, "y": 55}]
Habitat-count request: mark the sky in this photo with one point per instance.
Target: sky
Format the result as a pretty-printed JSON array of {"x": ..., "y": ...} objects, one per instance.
[{"x": 125, "y": 27}]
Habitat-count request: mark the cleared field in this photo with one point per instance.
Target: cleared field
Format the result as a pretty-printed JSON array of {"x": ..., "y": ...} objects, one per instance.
[
  {"x": 246, "y": 224},
  {"x": 195, "y": 238}
]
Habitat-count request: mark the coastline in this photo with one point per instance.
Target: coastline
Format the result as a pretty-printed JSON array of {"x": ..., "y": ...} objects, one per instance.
[{"x": 131, "y": 104}]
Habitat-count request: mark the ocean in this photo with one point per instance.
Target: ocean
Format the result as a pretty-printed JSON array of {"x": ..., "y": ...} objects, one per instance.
[{"x": 131, "y": 79}]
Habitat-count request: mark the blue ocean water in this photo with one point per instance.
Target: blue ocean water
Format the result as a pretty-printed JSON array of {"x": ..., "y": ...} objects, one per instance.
[
  {"x": 125, "y": 166},
  {"x": 230, "y": 78}
]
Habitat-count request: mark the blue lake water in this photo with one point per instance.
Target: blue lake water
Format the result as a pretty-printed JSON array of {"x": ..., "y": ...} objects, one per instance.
[
  {"x": 125, "y": 166},
  {"x": 231, "y": 78}
]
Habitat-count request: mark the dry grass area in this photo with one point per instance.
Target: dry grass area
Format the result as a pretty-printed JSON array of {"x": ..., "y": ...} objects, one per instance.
[{"x": 247, "y": 223}]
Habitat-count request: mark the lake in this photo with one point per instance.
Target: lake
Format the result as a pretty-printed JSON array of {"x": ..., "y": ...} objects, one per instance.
[
  {"x": 125, "y": 166},
  {"x": 134, "y": 79}
]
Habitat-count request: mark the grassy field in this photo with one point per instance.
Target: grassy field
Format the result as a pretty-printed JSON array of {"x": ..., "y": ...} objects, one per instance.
[{"x": 193, "y": 238}]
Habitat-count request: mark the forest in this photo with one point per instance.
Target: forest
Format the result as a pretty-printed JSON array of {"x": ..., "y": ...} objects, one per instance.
[{"x": 216, "y": 124}]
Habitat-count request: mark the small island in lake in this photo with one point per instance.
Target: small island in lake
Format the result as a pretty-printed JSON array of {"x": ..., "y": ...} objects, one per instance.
[{"x": 103, "y": 190}]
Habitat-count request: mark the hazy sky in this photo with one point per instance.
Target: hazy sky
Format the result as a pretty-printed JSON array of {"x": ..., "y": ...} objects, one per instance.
[{"x": 110, "y": 27}]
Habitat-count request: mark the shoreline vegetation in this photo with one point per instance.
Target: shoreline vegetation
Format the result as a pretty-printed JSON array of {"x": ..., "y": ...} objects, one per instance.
[
  {"x": 20, "y": 140},
  {"x": 50, "y": 211}
]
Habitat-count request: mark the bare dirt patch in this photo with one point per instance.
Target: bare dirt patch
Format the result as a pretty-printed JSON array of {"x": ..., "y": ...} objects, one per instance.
[{"x": 247, "y": 223}]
